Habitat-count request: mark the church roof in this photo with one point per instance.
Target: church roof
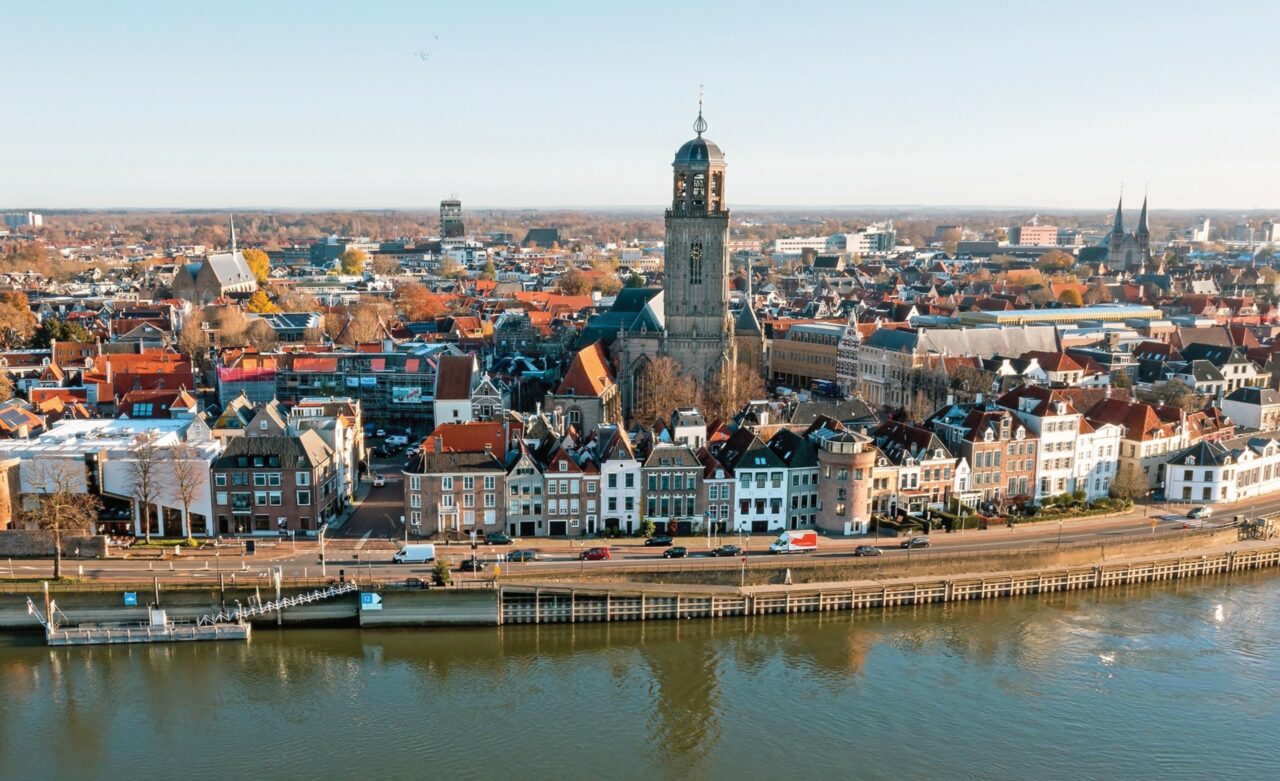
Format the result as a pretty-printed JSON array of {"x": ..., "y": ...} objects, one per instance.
[{"x": 699, "y": 152}]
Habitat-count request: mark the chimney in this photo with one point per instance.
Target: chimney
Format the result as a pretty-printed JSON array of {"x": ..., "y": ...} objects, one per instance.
[
  {"x": 488, "y": 448},
  {"x": 439, "y": 444}
]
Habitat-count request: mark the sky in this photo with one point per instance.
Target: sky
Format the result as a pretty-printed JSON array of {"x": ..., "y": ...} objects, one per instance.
[{"x": 564, "y": 104}]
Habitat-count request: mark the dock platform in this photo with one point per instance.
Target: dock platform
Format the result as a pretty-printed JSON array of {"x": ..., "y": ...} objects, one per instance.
[{"x": 145, "y": 633}]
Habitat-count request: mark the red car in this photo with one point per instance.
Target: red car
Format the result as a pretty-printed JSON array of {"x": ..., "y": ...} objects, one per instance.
[{"x": 594, "y": 554}]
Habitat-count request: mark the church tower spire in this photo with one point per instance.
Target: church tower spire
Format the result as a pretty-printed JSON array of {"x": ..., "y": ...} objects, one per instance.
[{"x": 1117, "y": 227}]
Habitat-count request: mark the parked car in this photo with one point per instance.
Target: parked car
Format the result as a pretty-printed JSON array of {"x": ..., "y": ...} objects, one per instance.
[
  {"x": 727, "y": 550},
  {"x": 472, "y": 565},
  {"x": 595, "y": 554},
  {"x": 380, "y": 433},
  {"x": 497, "y": 538},
  {"x": 379, "y": 481},
  {"x": 414, "y": 583},
  {"x": 916, "y": 542},
  {"x": 397, "y": 440},
  {"x": 866, "y": 550},
  {"x": 675, "y": 552},
  {"x": 1200, "y": 513},
  {"x": 661, "y": 539},
  {"x": 522, "y": 555}
]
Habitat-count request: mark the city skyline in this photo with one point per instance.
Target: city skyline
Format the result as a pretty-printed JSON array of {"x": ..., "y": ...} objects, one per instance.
[{"x": 151, "y": 106}]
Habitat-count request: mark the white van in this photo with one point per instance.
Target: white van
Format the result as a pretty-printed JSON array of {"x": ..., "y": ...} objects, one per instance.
[
  {"x": 397, "y": 439},
  {"x": 415, "y": 554}
]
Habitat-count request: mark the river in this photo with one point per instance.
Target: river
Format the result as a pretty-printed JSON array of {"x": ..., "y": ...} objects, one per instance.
[{"x": 1164, "y": 681}]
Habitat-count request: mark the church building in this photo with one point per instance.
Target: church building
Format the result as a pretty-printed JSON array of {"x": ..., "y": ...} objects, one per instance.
[
  {"x": 696, "y": 329},
  {"x": 1129, "y": 251}
]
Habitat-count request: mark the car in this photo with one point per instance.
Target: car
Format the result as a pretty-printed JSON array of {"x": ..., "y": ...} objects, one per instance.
[
  {"x": 1200, "y": 512},
  {"x": 595, "y": 554},
  {"x": 915, "y": 542},
  {"x": 414, "y": 583},
  {"x": 472, "y": 565},
  {"x": 380, "y": 433},
  {"x": 522, "y": 555},
  {"x": 866, "y": 550},
  {"x": 675, "y": 552},
  {"x": 727, "y": 550},
  {"x": 660, "y": 540},
  {"x": 379, "y": 481},
  {"x": 497, "y": 538}
]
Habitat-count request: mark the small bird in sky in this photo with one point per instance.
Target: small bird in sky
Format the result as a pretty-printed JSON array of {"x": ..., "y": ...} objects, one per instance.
[{"x": 424, "y": 56}]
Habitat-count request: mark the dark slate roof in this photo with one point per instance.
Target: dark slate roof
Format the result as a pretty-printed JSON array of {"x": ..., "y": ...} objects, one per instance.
[
  {"x": 627, "y": 313},
  {"x": 699, "y": 152},
  {"x": 543, "y": 237},
  {"x": 1254, "y": 395},
  {"x": 793, "y": 450},
  {"x": 843, "y": 410},
  {"x": 306, "y": 449}
]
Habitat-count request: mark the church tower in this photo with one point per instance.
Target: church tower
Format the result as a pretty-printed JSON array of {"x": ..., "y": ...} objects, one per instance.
[{"x": 699, "y": 329}]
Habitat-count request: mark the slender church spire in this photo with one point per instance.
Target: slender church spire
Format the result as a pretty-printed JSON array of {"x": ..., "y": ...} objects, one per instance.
[
  {"x": 1118, "y": 226},
  {"x": 700, "y": 124},
  {"x": 233, "y": 234},
  {"x": 1142, "y": 219}
]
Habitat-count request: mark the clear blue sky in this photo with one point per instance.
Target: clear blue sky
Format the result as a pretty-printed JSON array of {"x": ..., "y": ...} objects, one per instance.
[{"x": 319, "y": 104}]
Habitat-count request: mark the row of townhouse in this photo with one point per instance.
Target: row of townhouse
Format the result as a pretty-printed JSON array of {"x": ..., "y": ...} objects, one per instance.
[{"x": 257, "y": 470}]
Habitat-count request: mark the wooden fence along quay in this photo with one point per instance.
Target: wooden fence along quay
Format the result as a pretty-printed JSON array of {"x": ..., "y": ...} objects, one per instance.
[{"x": 536, "y": 603}]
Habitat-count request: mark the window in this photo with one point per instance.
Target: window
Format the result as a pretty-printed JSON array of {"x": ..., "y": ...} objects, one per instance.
[
  {"x": 302, "y": 478},
  {"x": 304, "y": 498},
  {"x": 629, "y": 479},
  {"x": 613, "y": 481},
  {"x": 415, "y": 500},
  {"x": 220, "y": 479},
  {"x": 468, "y": 500},
  {"x": 490, "y": 482},
  {"x": 275, "y": 498},
  {"x": 446, "y": 484},
  {"x": 446, "y": 500},
  {"x": 273, "y": 479},
  {"x": 222, "y": 497},
  {"x": 259, "y": 480},
  {"x": 415, "y": 483},
  {"x": 468, "y": 483},
  {"x": 239, "y": 478},
  {"x": 260, "y": 497}
]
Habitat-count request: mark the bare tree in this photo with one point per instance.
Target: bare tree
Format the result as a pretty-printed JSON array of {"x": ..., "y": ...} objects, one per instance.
[
  {"x": 661, "y": 388},
  {"x": 730, "y": 391},
  {"x": 59, "y": 504},
  {"x": 188, "y": 474},
  {"x": 144, "y": 472}
]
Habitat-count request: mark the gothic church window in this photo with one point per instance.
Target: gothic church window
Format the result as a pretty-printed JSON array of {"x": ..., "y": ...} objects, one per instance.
[{"x": 695, "y": 262}]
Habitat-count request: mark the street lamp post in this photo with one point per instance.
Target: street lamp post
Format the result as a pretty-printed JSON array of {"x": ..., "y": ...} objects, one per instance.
[{"x": 1059, "y": 534}]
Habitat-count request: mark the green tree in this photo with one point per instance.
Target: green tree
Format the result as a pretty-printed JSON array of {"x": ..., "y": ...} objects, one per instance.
[
  {"x": 353, "y": 261},
  {"x": 440, "y": 572},
  {"x": 61, "y": 330},
  {"x": 259, "y": 264},
  {"x": 647, "y": 528},
  {"x": 1121, "y": 379},
  {"x": 634, "y": 281},
  {"x": 490, "y": 272}
]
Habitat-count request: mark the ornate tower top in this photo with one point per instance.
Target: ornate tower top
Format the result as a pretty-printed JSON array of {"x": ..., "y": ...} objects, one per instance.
[{"x": 700, "y": 124}]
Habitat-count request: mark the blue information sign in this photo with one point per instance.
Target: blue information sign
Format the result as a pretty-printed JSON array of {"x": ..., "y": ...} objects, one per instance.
[{"x": 131, "y": 599}]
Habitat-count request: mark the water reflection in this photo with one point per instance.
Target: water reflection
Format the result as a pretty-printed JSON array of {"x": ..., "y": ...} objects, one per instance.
[{"x": 688, "y": 699}]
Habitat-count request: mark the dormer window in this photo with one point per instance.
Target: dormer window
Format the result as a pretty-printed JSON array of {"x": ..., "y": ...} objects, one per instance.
[{"x": 1191, "y": 460}]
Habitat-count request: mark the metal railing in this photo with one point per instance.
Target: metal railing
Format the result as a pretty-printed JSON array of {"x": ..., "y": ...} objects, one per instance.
[{"x": 241, "y": 613}]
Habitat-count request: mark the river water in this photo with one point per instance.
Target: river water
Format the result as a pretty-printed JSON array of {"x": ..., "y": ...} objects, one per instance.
[{"x": 1162, "y": 682}]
